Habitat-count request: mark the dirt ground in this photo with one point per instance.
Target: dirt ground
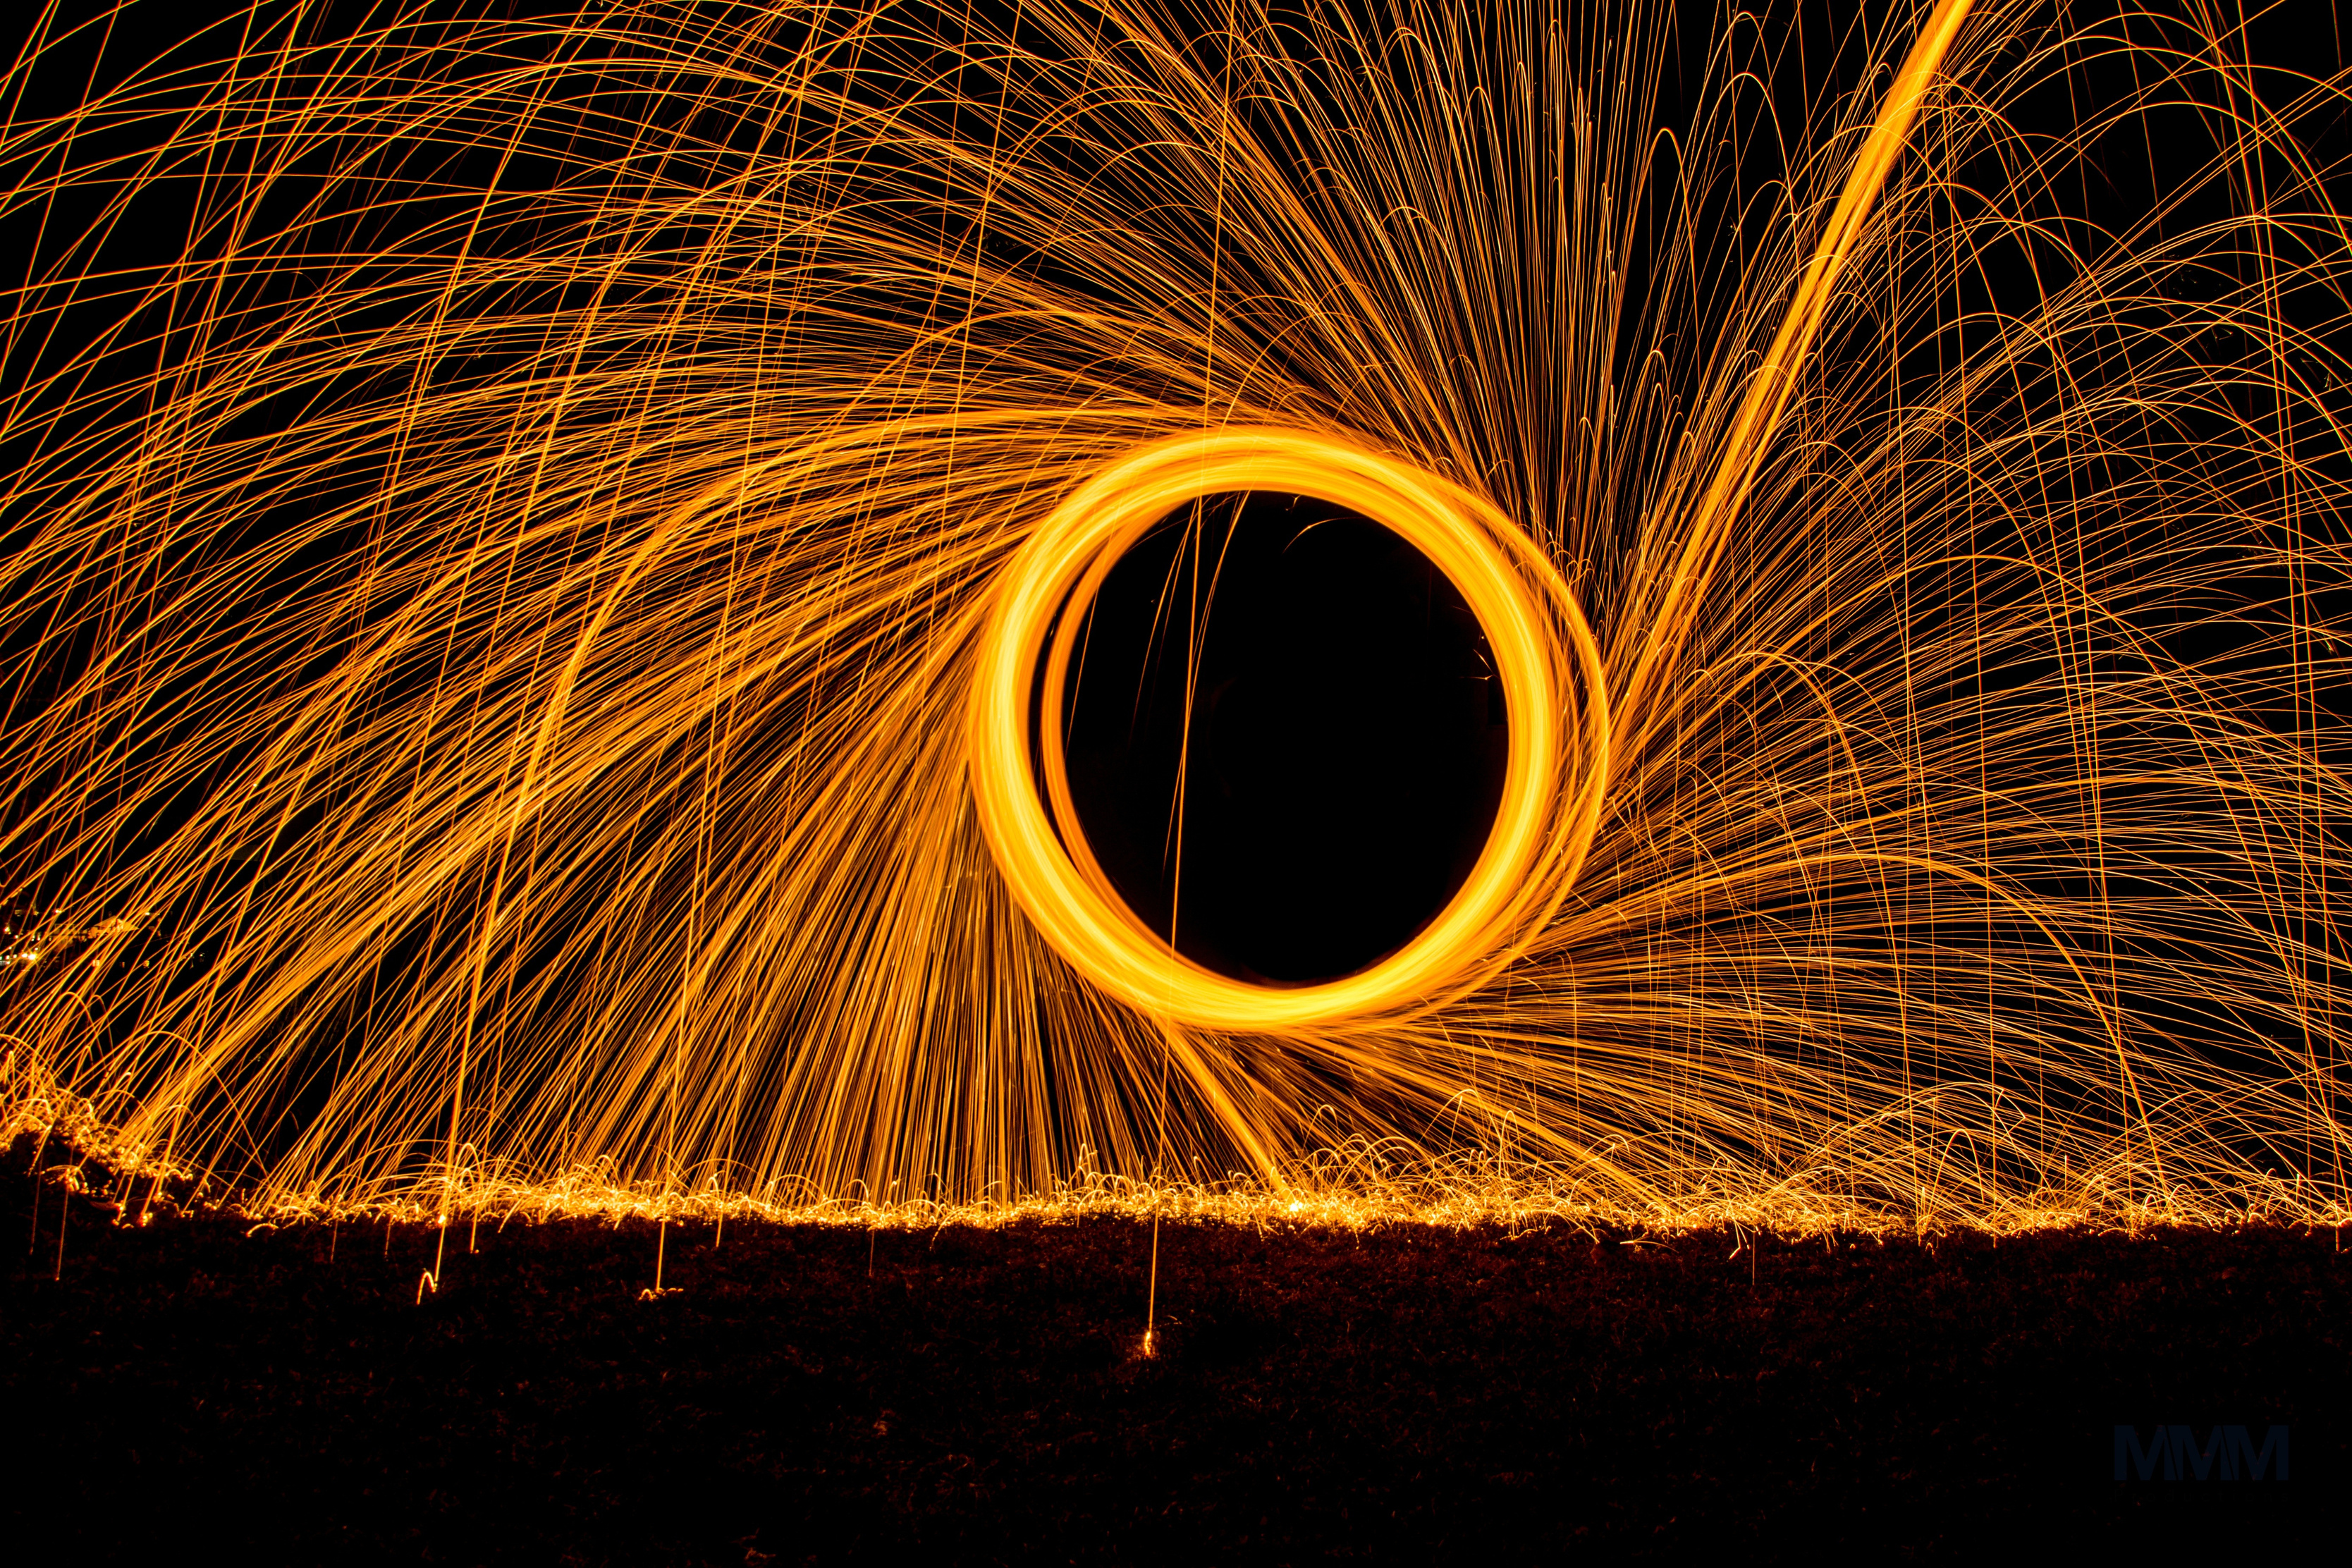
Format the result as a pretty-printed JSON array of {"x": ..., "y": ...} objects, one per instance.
[{"x": 973, "y": 1395}]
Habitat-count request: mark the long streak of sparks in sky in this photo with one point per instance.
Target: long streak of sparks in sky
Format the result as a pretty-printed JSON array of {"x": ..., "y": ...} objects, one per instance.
[{"x": 523, "y": 618}]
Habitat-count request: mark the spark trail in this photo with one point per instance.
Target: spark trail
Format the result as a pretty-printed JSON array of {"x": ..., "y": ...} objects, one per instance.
[{"x": 526, "y": 606}]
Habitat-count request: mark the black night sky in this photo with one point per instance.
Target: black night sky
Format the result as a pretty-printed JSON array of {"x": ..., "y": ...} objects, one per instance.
[
  {"x": 1346, "y": 737},
  {"x": 207, "y": 1384}
]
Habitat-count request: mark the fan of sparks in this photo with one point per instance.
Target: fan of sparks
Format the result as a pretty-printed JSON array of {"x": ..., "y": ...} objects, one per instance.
[{"x": 531, "y": 543}]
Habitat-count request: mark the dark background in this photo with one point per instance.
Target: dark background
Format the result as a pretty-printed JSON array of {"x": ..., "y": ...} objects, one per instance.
[
  {"x": 1278, "y": 892},
  {"x": 1406, "y": 1394},
  {"x": 1346, "y": 734},
  {"x": 191, "y": 1389}
]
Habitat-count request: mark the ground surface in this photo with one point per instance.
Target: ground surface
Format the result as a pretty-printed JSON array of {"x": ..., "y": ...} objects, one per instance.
[{"x": 972, "y": 1395}]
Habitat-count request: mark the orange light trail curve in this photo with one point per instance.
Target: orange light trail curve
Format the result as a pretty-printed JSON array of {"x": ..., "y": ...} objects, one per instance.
[{"x": 546, "y": 557}]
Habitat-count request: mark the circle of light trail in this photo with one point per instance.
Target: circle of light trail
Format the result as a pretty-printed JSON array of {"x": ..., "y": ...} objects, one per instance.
[
  {"x": 506, "y": 517},
  {"x": 1545, "y": 655}
]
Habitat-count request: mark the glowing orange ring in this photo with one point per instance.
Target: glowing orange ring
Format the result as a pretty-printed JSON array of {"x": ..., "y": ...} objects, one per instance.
[{"x": 1544, "y": 654}]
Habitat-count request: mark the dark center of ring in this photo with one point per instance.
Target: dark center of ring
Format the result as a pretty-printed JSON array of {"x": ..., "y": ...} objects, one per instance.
[{"x": 1340, "y": 734}]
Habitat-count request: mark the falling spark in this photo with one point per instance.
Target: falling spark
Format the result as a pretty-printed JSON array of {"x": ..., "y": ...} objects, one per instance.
[{"x": 537, "y": 605}]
